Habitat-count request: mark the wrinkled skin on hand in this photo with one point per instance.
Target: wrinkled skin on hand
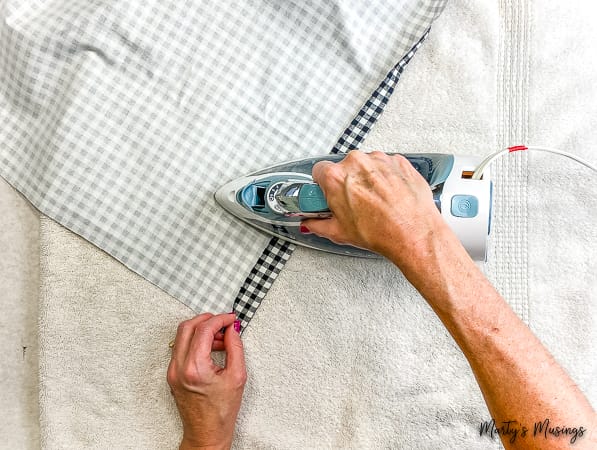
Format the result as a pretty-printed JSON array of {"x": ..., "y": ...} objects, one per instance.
[
  {"x": 376, "y": 200},
  {"x": 208, "y": 396}
]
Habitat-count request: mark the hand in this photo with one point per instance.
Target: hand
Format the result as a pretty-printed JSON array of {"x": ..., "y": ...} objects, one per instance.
[
  {"x": 379, "y": 202},
  {"x": 208, "y": 397}
]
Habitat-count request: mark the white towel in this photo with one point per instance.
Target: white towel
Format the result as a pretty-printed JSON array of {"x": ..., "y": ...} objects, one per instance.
[
  {"x": 364, "y": 363},
  {"x": 19, "y": 279}
]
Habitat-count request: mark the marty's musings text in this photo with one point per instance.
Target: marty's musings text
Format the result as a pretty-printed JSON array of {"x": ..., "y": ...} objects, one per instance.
[{"x": 544, "y": 429}]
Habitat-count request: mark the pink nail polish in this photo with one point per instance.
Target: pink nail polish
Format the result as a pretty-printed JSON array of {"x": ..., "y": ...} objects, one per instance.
[
  {"x": 237, "y": 326},
  {"x": 303, "y": 229}
]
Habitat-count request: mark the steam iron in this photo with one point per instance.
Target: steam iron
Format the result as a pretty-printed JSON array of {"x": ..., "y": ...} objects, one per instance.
[{"x": 275, "y": 200}]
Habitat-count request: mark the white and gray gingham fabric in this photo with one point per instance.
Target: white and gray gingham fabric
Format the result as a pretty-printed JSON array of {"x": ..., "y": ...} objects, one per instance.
[{"x": 120, "y": 119}]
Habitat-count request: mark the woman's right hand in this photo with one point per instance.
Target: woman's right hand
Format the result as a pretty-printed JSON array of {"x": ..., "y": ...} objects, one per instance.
[{"x": 379, "y": 202}]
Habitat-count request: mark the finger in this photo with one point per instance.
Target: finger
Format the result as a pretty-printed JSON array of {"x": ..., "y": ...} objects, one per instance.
[
  {"x": 327, "y": 228},
  {"x": 354, "y": 156},
  {"x": 204, "y": 337},
  {"x": 219, "y": 336},
  {"x": 235, "y": 355},
  {"x": 319, "y": 171},
  {"x": 406, "y": 168},
  {"x": 218, "y": 346},
  {"x": 381, "y": 156},
  {"x": 184, "y": 334},
  {"x": 399, "y": 157}
]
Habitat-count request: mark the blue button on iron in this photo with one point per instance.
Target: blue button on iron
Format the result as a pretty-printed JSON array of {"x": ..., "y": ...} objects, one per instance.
[{"x": 464, "y": 206}]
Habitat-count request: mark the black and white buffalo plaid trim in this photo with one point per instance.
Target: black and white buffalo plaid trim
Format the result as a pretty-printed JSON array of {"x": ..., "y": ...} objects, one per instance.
[
  {"x": 261, "y": 278},
  {"x": 278, "y": 251}
]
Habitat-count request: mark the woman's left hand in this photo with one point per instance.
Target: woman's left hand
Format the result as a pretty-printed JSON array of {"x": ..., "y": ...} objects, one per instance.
[{"x": 208, "y": 397}]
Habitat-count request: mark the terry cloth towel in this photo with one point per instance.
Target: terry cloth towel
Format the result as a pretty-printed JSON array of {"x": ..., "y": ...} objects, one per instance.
[
  {"x": 342, "y": 352},
  {"x": 121, "y": 119},
  {"x": 19, "y": 281}
]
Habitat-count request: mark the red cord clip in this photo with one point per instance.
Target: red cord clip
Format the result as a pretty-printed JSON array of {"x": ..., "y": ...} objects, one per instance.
[{"x": 517, "y": 148}]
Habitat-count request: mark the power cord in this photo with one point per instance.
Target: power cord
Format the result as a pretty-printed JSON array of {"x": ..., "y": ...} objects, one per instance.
[{"x": 479, "y": 170}]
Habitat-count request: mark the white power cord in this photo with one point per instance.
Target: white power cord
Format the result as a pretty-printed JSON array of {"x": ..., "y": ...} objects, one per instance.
[{"x": 479, "y": 170}]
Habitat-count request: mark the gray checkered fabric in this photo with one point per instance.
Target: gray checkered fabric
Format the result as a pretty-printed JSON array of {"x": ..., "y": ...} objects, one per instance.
[{"x": 120, "y": 119}]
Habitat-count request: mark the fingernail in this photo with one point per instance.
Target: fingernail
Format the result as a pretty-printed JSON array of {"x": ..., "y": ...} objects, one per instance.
[
  {"x": 303, "y": 229},
  {"x": 237, "y": 326}
]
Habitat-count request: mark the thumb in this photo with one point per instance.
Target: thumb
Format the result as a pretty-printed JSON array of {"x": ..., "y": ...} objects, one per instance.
[
  {"x": 235, "y": 355},
  {"x": 327, "y": 228}
]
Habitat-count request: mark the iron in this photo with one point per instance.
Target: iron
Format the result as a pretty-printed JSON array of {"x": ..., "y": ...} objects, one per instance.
[{"x": 276, "y": 200}]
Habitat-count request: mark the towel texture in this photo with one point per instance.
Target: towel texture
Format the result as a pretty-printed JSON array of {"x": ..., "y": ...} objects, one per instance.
[
  {"x": 19, "y": 279},
  {"x": 343, "y": 353}
]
